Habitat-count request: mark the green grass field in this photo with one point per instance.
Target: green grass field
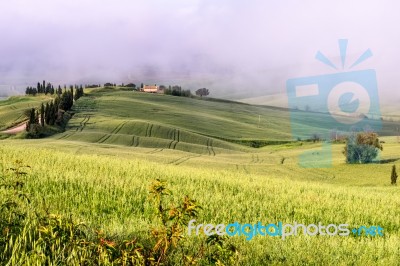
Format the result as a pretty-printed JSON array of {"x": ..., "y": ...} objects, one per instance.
[{"x": 117, "y": 142}]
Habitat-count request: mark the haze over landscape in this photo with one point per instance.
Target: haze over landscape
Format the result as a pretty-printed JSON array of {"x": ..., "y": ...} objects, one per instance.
[
  {"x": 237, "y": 49},
  {"x": 278, "y": 123}
]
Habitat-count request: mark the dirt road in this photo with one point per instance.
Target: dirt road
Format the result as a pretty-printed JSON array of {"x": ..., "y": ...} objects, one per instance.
[{"x": 16, "y": 129}]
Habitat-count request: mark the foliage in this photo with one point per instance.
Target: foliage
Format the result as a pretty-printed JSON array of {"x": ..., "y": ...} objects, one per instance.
[
  {"x": 130, "y": 85},
  {"x": 33, "y": 127},
  {"x": 108, "y": 84},
  {"x": 15, "y": 201},
  {"x": 53, "y": 113},
  {"x": 78, "y": 93},
  {"x": 177, "y": 91},
  {"x": 362, "y": 147},
  {"x": 202, "y": 92},
  {"x": 91, "y": 86},
  {"x": 40, "y": 89}
]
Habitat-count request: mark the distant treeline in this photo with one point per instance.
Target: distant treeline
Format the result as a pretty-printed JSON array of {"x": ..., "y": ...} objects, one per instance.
[
  {"x": 42, "y": 88},
  {"x": 176, "y": 91},
  {"x": 93, "y": 86}
]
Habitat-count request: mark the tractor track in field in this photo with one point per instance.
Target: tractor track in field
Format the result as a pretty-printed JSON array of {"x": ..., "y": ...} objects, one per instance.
[
  {"x": 66, "y": 136},
  {"x": 171, "y": 144},
  {"x": 149, "y": 128},
  {"x": 210, "y": 148},
  {"x": 118, "y": 128},
  {"x": 174, "y": 145},
  {"x": 104, "y": 138},
  {"x": 175, "y": 135},
  {"x": 256, "y": 159},
  {"x": 115, "y": 131},
  {"x": 155, "y": 151},
  {"x": 83, "y": 123},
  {"x": 183, "y": 159},
  {"x": 207, "y": 145},
  {"x": 242, "y": 167},
  {"x": 135, "y": 141}
]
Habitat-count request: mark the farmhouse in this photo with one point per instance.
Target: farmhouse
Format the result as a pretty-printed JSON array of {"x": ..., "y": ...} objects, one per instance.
[{"x": 152, "y": 89}]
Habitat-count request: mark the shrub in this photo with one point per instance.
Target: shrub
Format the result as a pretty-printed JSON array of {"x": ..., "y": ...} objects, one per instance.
[{"x": 362, "y": 147}]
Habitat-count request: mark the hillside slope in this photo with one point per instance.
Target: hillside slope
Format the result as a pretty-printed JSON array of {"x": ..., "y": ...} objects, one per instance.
[
  {"x": 127, "y": 118},
  {"x": 120, "y": 117}
]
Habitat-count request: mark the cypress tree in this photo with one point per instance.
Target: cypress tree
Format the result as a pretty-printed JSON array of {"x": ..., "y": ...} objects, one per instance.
[
  {"x": 47, "y": 113},
  {"x": 53, "y": 113},
  {"x": 37, "y": 117},
  {"x": 393, "y": 176},
  {"x": 31, "y": 120},
  {"x": 32, "y": 117},
  {"x": 42, "y": 115},
  {"x": 72, "y": 97}
]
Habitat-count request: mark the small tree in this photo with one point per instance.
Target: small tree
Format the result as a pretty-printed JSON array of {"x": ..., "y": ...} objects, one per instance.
[
  {"x": 315, "y": 137},
  {"x": 362, "y": 147},
  {"x": 31, "y": 120},
  {"x": 393, "y": 176},
  {"x": 202, "y": 92}
]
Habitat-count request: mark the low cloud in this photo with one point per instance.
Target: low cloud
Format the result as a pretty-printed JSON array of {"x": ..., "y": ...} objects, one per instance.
[{"x": 235, "y": 48}]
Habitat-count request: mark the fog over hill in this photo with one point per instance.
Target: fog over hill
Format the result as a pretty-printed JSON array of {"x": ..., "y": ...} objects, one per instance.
[{"x": 237, "y": 49}]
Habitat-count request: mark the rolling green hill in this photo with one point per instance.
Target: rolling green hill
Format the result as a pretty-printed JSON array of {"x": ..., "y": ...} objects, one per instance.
[
  {"x": 118, "y": 141},
  {"x": 127, "y": 118},
  {"x": 12, "y": 110},
  {"x": 134, "y": 119}
]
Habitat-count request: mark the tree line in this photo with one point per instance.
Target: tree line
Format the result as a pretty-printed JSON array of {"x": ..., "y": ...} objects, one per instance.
[
  {"x": 43, "y": 88},
  {"x": 53, "y": 112},
  {"x": 178, "y": 91}
]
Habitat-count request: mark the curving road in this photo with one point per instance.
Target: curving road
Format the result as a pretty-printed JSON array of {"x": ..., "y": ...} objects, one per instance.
[{"x": 16, "y": 129}]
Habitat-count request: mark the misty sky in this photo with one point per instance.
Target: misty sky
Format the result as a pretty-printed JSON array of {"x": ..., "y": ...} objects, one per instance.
[{"x": 234, "y": 48}]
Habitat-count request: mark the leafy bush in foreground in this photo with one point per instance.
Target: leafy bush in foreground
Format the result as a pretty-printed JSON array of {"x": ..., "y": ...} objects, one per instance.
[{"x": 31, "y": 235}]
